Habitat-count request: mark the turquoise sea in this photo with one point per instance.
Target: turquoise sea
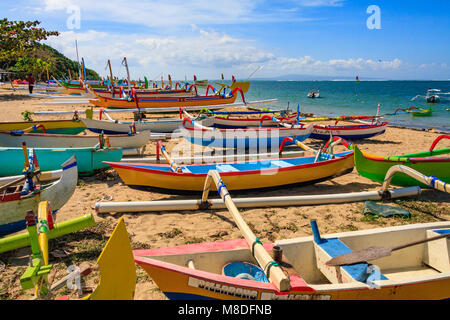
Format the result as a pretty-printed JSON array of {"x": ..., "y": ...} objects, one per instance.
[{"x": 339, "y": 98}]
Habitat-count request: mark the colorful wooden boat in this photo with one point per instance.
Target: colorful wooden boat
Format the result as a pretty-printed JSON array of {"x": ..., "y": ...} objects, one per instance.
[
  {"x": 236, "y": 175},
  {"x": 49, "y": 126},
  {"x": 151, "y": 92},
  {"x": 89, "y": 160},
  {"x": 14, "y": 205},
  {"x": 161, "y": 102},
  {"x": 415, "y": 111},
  {"x": 39, "y": 140},
  {"x": 431, "y": 163},
  {"x": 160, "y": 125},
  {"x": 349, "y": 132},
  {"x": 432, "y": 96},
  {"x": 227, "y": 270},
  {"x": 420, "y": 112},
  {"x": 313, "y": 94},
  {"x": 230, "y": 122},
  {"x": 321, "y": 132},
  {"x": 248, "y": 138}
]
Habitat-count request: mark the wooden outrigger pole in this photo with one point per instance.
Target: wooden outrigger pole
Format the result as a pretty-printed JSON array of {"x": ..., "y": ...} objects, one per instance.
[
  {"x": 260, "y": 202},
  {"x": 273, "y": 271}
]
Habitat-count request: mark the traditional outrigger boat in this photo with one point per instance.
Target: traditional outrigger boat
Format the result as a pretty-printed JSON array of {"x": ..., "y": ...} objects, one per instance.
[
  {"x": 248, "y": 138},
  {"x": 349, "y": 132},
  {"x": 217, "y": 272},
  {"x": 160, "y": 102},
  {"x": 420, "y": 112},
  {"x": 16, "y": 200},
  {"x": 313, "y": 94},
  {"x": 432, "y": 163},
  {"x": 46, "y": 126},
  {"x": 89, "y": 160},
  {"x": 151, "y": 92},
  {"x": 40, "y": 140},
  {"x": 433, "y": 96},
  {"x": 321, "y": 132},
  {"x": 415, "y": 111},
  {"x": 240, "y": 175},
  {"x": 308, "y": 268}
]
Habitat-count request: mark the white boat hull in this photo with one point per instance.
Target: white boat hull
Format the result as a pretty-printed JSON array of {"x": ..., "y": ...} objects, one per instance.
[
  {"x": 164, "y": 125},
  {"x": 36, "y": 140},
  {"x": 12, "y": 213}
]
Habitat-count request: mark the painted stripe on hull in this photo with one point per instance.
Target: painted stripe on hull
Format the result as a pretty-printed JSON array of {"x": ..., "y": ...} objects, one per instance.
[
  {"x": 182, "y": 283},
  {"x": 240, "y": 143},
  {"x": 347, "y": 137},
  {"x": 186, "y": 296},
  {"x": 12, "y": 227}
]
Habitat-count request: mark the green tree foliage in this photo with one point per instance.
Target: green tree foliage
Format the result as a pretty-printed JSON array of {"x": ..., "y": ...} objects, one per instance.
[
  {"x": 21, "y": 52},
  {"x": 18, "y": 38}
]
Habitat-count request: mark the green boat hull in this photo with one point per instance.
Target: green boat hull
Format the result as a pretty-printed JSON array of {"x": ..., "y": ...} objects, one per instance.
[
  {"x": 89, "y": 160},
  {"x": 375, "y": 169}
]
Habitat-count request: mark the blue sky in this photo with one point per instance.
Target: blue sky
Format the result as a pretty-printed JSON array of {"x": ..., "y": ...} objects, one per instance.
[{"x": 234, "y": 37}]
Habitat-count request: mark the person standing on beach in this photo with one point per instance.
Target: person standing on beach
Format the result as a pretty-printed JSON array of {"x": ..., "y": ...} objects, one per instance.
[{"x": 30, "y": 81}]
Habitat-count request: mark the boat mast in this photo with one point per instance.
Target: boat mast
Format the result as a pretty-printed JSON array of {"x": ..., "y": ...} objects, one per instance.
[
  {"x": 78, "y": 59},
  {"x": 128, "y": 72},
  {"x": 259, "y": 68},
  {"x": 110, "y": 73}
]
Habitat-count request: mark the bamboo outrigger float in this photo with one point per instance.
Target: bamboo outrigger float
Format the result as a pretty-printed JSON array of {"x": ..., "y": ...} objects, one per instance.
[
  {"x": 297, "y": 268},
  {"x": 383, "y": 193}
]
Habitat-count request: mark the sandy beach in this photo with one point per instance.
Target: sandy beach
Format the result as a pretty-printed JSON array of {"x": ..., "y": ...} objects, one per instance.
[{"x": 163, "y": 229}]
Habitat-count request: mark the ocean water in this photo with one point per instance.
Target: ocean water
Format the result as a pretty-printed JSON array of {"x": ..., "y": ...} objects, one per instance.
[{"x": 351, "y": 98}]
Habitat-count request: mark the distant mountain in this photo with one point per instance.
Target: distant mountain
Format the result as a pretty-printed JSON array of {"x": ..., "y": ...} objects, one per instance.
[{"x": 305, "y": 77}]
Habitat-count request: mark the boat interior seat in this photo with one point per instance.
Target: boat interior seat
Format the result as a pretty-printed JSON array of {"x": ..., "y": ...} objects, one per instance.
[
  {"x": 437, "y": 253},
  {"x": 281, "y": 163},
  {"x": 225, "y": 168},
  {"x": 326, "y": 249}
]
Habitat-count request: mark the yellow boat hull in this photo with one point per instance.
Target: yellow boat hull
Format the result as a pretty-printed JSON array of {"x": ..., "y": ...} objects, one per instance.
[{"x": 233, "y": 180}]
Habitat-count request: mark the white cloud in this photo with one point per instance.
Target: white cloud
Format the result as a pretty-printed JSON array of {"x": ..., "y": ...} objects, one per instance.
[
  {"x": 322, "y": 3},
  {"x": 159, "y": 13},
  {"x": 204, "y": 51}
]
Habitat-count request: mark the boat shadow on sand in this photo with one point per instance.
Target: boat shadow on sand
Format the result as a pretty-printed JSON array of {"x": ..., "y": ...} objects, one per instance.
[
  {"x": 16, "y": 97},
  {"x": 285, "y": 189},
  {"x": 373, "y": 141}
]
